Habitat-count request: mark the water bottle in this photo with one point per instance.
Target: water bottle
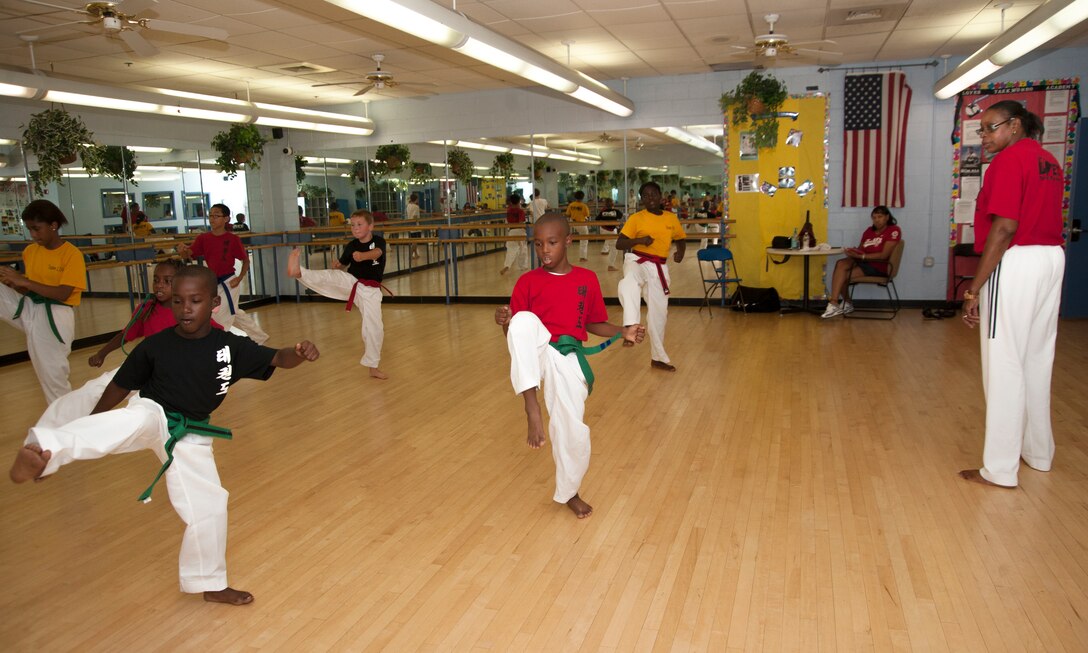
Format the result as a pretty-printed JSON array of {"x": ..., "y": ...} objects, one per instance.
[{"x": 793, "y": 240}]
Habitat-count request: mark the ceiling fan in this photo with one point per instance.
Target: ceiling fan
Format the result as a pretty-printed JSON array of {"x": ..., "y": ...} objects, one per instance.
[
  {"x": 120, "y": 19},
  {"x": 604, "y": 137},
  {"x": 774, "y": 44},
  {"x": 375, "y": 80}
]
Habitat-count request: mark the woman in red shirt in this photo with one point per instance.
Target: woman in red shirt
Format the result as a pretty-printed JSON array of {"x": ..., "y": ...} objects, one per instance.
[
  {"x": 1017, "y": 287},
  {"x": 869, "y": 259},
  {"x": 516, "y": 250}
]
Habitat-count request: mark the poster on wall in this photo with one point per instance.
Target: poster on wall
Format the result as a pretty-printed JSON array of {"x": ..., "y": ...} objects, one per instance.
[{"x": 1055, "y": 101}]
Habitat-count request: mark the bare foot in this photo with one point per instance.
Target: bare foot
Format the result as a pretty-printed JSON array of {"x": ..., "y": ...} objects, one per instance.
[
  {"x": 229, "y": 596},
  {"x": 580, "y": 508},
  {"x": 294, "y": 268},
  {"x": 535, "y": 439},
  {"x": 583, "y": 259},
  {"x": 659, "y": 365},
  {"x": 613, "y": 268},
  {"x": 504, "y": 270},
  {"x": 29, "y": 463},
  {"x": 973, "y": 476},
  {"x": 375, "y": 373}
]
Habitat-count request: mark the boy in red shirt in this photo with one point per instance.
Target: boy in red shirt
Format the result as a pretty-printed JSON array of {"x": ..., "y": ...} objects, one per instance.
[
  {"x": 220, "y": 249},
  {"x": 550, "y": 313}
]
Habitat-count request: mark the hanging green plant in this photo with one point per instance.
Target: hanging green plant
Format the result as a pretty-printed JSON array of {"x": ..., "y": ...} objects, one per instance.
[
  {"x": 116, "y": 162},
  {"x": 460, "y": 165},
  {"x": 358, "y": 170},
  {"x": 538, "y": 167},
  {"x": 240, "y": 145},
  {"x": 422, "y": 173},
  {"x": 503, "y": 166},
  {"x": 300, "y": 174},
  {"x": 601, "y": 178},
  {"x": 643, "y": 176},
  {"x": 615, "y": 178},
  {"x": 395, "y": 157},
  {"x": 313, "y": 191},
  {"x": 56, "y": 137},
  {"x": 758, "y": 98},
  {"x": 580, "y": 181}
]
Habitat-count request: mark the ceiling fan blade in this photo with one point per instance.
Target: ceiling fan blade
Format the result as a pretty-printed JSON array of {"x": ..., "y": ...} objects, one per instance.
[
  {"x": 79, "y": 10},
  {"x": 829, "y": 41},
  {"x": 333, "y": 84},
  {"x": 364, "y": 90},
  {"x": 819, "y": 52},
  {"x": 133, "y": 7},
  {"x": 139, "y": 44},
  {"x": 185, "y": 28},
  {"x": 48, "y": 27}
]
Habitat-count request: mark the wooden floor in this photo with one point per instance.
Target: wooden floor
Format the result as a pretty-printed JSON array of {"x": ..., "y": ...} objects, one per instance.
[{"x": 791, "y": 488}]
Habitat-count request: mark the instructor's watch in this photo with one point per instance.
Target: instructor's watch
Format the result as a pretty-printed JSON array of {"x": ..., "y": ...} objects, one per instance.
[{"x": 967, "y": 294}]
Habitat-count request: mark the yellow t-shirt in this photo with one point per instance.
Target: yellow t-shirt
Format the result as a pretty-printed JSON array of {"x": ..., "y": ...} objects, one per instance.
[
  {"x": 142, "y": 229},
  {"x": 337, "y": 219},
  {"x": 62, "y": 266},
  {"x": 663, "y": 228},
  {"x": 577, "y": 211}
]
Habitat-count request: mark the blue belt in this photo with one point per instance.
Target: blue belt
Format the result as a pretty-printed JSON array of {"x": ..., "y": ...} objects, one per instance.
[{"x": 226, "y": 290}]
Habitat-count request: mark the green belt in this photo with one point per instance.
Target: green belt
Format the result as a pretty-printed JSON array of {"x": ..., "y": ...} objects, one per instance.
[
  {"x": 38, "y": 299},
  {"x": 179, "y": 426},
  {"x": 569, "y": 344}
]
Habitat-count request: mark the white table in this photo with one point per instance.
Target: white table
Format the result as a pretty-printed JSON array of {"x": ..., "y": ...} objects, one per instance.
[{"x": 808, "y": 254}]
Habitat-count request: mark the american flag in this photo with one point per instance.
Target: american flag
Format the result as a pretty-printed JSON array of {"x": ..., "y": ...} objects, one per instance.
[{"x": 875, "y": 139}]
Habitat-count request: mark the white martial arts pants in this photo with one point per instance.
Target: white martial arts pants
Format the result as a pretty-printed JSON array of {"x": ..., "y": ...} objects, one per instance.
[
  {"x": 239, "y": 319},
  {"x": 609, "y": 247},
  {"x": 48, "y": 356},
  {"x": 641, "y": 280},
  {"x": 583, "y": 245},
  {"x": 1018, "y": 306},
  {"x": 77, "y": 403},
  {"x": 532, "y": 359},
  {"x": 192, "y": 481},
  {"x": 337, "y": 284},
  {"x": 516, "y": 250}
]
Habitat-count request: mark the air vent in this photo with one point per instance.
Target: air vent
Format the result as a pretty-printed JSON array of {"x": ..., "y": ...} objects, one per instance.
[
  {"x": 862, "y": 15},
  {"x": 734, "y": 65},
  {"x": 298, "y": 68},
  {"x": 865, "y": 14}
]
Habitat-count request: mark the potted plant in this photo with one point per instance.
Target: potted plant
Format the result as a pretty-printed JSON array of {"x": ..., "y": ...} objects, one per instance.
[
  {"x": 421, "y": 173},
  {"x": 460, "y": 165},
  {"x": 300, "y": 174},
  {"x": 580, "y": 182},
  {"x": 503, "y": 165},
  {"x": 538, "y": 169},
  {"x": 601, "y": 178},
  {"x": 117, "y": 162},
  {"x": 616, "y": 178},
  {"x": 758, "y": 98},
  {"x": 240, "y": 145},
  {"x": 56, "y": 137},
  {"x": 395, "y": 157}
]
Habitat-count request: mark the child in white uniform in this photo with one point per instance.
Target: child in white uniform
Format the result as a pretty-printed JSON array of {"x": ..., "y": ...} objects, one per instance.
[
  {"x": 360, "y": 285},
  {"x": 182, "y": 374},
  {"x": 40, "y": 302},
  {"x": 551, "y": 310}
]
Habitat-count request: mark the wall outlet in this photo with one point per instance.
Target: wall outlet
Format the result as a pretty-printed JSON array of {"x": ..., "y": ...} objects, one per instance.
[{"x": 928, "y": 261}]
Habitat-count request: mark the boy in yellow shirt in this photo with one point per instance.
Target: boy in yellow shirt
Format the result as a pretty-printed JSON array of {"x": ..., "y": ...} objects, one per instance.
[
  {"x": 647, "y": 237},
  {"x": 578, "y": 214}
]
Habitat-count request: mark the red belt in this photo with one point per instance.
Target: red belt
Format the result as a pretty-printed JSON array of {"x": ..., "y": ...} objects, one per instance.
[
  {"x": 658, "y": 261},
  {"x": 368, "y": 283}
]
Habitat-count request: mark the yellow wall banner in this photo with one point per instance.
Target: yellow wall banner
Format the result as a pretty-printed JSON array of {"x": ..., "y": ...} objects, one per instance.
[
  {"x": 493, "y": 193},
  {"x": 769, "y": 192}
]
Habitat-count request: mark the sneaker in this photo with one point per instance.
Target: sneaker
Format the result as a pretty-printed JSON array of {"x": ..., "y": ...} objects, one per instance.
[
  {"x": 832, "y": 310},
  {"x": 847, "y": 308}
]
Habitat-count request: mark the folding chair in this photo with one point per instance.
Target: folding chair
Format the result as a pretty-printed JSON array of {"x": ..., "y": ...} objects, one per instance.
[
  {"x": 887, "y": 283},
  {"x": 718, "y": 269}
]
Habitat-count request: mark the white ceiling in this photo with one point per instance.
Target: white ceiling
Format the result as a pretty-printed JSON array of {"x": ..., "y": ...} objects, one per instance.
[{"x": 611, "y": 39}]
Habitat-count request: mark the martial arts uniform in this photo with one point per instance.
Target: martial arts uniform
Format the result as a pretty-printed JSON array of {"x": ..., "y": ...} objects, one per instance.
[
  {"x": 220, "y": 252},
  {"x": 646, "y": 274},
  {"x": 544, "y": 307},
  {"x": 537, "y": 208},
  {"x": 180, "y": 380},
  {"x": 609, "y": 246},
  {"x": 361, "y": 285},
  {"x": 578, "y": 214},
  {"x": 49, "y": 325},
  {"x": 1018, "y": 306},
  {"x": 148, "y": 319},
  {"x": 516, "y": 250}
]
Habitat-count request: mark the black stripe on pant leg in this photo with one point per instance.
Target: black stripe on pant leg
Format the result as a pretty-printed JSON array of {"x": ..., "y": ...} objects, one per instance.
[{"x": 993, "y": 286}]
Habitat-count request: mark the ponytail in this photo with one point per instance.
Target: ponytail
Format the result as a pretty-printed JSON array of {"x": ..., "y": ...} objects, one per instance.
[{"x": 1032, "y": 124}]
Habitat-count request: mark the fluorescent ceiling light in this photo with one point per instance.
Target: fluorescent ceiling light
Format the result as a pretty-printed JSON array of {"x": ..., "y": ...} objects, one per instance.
[
  {"x": 201, "y": 96},
  {"x": 149, "y": 149},
  {"x": 101, "y": 102},
  {"x": 688, "y": 138},
  {"x": 414, "y": 17},
  {"x": 493, "y": 56},
  {"x": 14, "y": 90},
  {"x": 562, "y": 157},
  {"x": 958, "y": 79},
  {"x": 332, "y": 160},
  {"x": 601, "y": 102},
  {"x": 206, "y": 114}
]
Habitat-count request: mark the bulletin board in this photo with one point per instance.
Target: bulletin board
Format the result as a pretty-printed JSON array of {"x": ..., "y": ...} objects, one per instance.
[
  {"x": 492, "y": 193},
  {"x": 768, "y": 191},
  {"x": 1056, "y": 101}
]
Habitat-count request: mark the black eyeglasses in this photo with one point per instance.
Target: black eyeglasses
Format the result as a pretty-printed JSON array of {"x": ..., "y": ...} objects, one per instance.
[{"x": 991, "y": 128}]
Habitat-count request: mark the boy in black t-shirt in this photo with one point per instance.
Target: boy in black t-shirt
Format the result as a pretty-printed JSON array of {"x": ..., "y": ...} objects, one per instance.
[
  {"x": 361, "y": 285},
  {"x": 609, "y": 214},
  {"x": 183, "y": 375}
]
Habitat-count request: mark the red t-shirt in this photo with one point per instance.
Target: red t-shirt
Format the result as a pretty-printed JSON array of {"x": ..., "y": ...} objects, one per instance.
[
  {"x": 514, "y": 214},
  {"x": 565, "y": 303},
  {"x": 1024, "y": 183},
  {"x": 161, "y": 317},
  {"x": 219, "y": 252},
  {"x": 873, "y": 243}
]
